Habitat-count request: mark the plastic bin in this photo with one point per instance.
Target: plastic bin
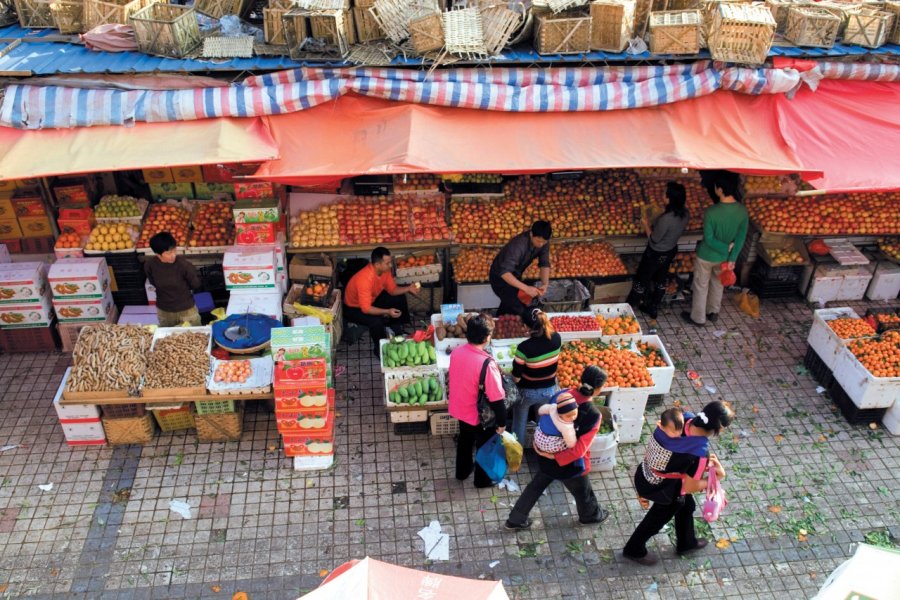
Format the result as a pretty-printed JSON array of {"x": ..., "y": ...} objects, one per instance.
[
  {"x": 864, "y": 389},
  {"x": 822, "y": 338},
  {"x": 443, "y": 424},
  {"x": 818, "y": 369},
  {"x": 854, "y": 414},
  {"x": 629, "y": 403},
  {"x": 175, "y": 419},
  {"x": 214, "y": 407},
  {"x": 662, "y": 376},
  {"x": 630, "y": 430},
  {"x": 608, "y": 311}
]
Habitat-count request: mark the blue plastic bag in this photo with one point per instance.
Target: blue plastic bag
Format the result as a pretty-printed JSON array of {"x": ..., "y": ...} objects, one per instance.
[{"x": 492, "y": 458}]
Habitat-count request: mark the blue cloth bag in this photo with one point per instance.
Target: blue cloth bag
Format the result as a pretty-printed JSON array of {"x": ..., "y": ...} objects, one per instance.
[{"x": 492, "y": 458}]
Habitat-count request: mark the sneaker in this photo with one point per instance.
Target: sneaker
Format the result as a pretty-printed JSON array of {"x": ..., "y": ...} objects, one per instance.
[
  {"x": 647, "y": 560},
  {"x": 601, "y": 516},
  {"x": 653, "y": 326},
  {"x": 712, "y": 317},
  {"x": 686, "y": 315},
  {"x": 510, "y": 526},
  {"x": 701, "y": 544}
]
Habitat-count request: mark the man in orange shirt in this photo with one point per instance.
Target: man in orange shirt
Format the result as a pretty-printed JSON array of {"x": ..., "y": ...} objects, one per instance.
[{"x": 374, "y": 299}]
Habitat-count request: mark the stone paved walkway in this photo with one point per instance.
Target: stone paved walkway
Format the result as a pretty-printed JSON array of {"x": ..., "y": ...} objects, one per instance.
[{"x": 105, "y": 529}]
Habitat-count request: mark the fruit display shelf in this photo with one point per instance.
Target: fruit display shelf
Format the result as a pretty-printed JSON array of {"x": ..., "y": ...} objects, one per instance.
[
  {"x": 364, "y": 248},
  {"x": 834, "y": 214}
]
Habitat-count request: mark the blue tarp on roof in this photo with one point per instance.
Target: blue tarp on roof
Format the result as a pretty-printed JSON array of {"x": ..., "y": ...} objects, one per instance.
[{"x": 34, "y": 57}]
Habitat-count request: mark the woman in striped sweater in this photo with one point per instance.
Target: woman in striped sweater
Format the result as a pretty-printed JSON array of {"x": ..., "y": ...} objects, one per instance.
[{"x": 534, "y": 367}]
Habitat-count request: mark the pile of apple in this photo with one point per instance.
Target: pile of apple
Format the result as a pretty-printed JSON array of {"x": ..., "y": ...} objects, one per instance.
[
  {"x": 508, "y": 327},
  {"x": 758, "y": 185},
  {"x": 416, "y": 181},
  {"x": 698, "y": 199},
  {"x": 373, "y": 220},
  {"x": 315, "y": 228},
  {"x": 585, "y": 259},
  {"x": 429, "y": 220},
  {"x": 473, "y": 178},
  {"x": 113, "y": 206},
  {"x": 890, "y": 247},
  {"x": 165, "y": 217},
  {"x": 666, "y": 172},
  {"x": 682, "y": 263},
  {"x": 112, "y": 236},
  {"x": 473, "y": 264},
  {"x": 213, "y": 225},
  {"x": 486, "y": 221},
  {"x": 839, "y": 214},
  {"x": 781, "y": 257}
]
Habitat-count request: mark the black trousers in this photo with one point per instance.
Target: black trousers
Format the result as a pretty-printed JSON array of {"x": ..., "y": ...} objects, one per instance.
[
  {"x": 509, "y": 300},
  {"x": 649, "y": 285},
  {"x": 378, "y": 323},
  {"x": 579, "y": 487},
  {"x": 471, "y": 438},
  {"x": 682, "y": 509}
]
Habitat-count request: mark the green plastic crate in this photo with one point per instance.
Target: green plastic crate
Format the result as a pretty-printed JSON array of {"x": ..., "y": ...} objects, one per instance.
[{"x": 214, "y": 407}]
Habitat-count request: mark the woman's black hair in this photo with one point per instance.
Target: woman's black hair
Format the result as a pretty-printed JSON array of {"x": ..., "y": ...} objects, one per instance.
[
  {"x": 714, "y": 417},
  {"x": 592, "y": 379},
  {"x": 478, "y": 329},
  {"x": 677, "y": 197}
]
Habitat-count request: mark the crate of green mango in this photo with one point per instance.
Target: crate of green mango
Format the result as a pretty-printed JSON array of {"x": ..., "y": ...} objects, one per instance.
[
  {"x": 407, "y": 354},
  {"x": 414, "y": 391}
]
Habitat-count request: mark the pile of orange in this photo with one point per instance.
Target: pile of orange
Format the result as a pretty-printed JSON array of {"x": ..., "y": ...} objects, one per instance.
[
  {"x": 887, "y": 321},
  {"x": 624, "y": 367},
  {"x": 652, "y": 356},
  {"x": 847, "y": 328},
  {"x": 69, "y": 240},
  {"x": 233, "y": 371},
  {"x": 415, "y": 261},
  {"x": 881, "y": 356},
  {"x": 618, "y": 325}
]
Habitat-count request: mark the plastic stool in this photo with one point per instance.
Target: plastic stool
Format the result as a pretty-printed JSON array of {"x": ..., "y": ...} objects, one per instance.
[{"x": 204, "y": 302}]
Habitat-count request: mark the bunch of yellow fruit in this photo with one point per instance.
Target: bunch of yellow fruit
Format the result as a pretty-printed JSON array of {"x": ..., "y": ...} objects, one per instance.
[{"x": 112, "y": 236}]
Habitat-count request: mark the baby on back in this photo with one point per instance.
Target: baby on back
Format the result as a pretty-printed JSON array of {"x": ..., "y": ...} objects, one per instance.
[{"x": 556, "y": 428}]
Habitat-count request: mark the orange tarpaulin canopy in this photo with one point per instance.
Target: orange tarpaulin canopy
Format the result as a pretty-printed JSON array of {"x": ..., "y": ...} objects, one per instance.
[
  {"x": 46, "y": 152},
  {"x": 355, "y": 135},
  {"x": 850, "y": 130}
]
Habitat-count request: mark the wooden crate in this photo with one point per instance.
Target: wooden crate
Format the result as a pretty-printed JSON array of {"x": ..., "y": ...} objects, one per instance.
[
  {"x": 166, "y": 30},
  {"x": 612, "y": 23},
  {"x": 68, "y": 15},
  {"x": 780, "y": 9},
  {"x": 894, "y": 9},
  {"x": 869, "y": 28},
  {"x": 320, "y": 33},
  {"x": 367, "y": 28},
  {"x": 841, "y": 10},
  {"x": 675, "y": 32},
  {"x": 426, "y": 32},
  {"x": 218, "y": 8},
  {"x": 323, "y": 27},
  {"x": 499, "y": 24},
  {"x": 35, "y": 14},
  {"x": 565, "y": 33},
  {"x": 273, "y": 26},
  {"x": 809, "y": 26},
  {"x": 103, "y": 12},
  {"x": 742, "y": 33}
]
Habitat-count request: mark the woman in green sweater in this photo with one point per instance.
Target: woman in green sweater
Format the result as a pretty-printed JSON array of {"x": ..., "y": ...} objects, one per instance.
[{"x": 724, "y": 232}]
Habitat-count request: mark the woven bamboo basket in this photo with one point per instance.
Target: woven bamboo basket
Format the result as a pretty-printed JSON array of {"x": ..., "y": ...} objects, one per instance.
[
  {"x": 568, "y": 33},
  {"x": 869, "y": 28},
  {"x": 273, "y": 26},
  {"x": 557, "y": 6},
  {"x": 642, "y": 10},
  {"x": 464, "y": 33},
  {"x": 894, "y": 9},
  {"x": 103, "y": 12},
  {"x": 842, "y": 10},
  {"x": 809, "y": 26},
  {"x": 675, "y": 32},
  {"x": 499, "y": 23},
  {"x": 166, "y": 30},
  {"x": 322, "y": 4},
  {"x": 35, "y": 14},
  {"x": 227, "y": 47},
  {"x": 68, "y": 15},
  {"x": 334, "y": 28},
  {"x": 367, "y": 28},
  {"x": 393, "y": 17},
  {"x": 742, "y": 33},
  {"x": 780, "y": 9},
  {"x": 218, "y": 8},
  {"x": 363, "y": 3},
  {"x": 132, "y": 430},
  {"x": 426, "y": 32},
  {"x": 222, "y": 427},
  {"x": 611, "y": 24}
]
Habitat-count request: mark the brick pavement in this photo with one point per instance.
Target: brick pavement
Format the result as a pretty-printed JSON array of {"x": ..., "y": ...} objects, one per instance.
[{"x": 105, "y": 529}]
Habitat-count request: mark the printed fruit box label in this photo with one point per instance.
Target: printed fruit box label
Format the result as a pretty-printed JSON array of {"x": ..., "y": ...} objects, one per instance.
[
  {"x": 79, "y": 278},
  {"x": 321, "y": 422},
  {"x": 83, "y": 310},
  {"x": 248, "y": 234},
  {"x": 240, "y": 279},
  {"x": 22, "y": 282},
  {"x": 256, "y": 190},
  {"x": 292, "y": 343},
  {"x": 307, "y": 444},
  {"x": 292, "y": 371},
  {"x": 303, "y": 400},
  {"x": 33, "y": 314}
]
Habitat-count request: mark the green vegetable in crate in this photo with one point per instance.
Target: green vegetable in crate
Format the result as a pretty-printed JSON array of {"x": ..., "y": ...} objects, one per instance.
[{"x": 408, "y": 353}]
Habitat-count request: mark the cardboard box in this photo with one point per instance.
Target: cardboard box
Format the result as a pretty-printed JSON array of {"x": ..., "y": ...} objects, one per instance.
[
  {"x": 72, "y": 194},
  {"x": 7, "y": 186},
  {"x": 35, "y": 226},
  {"x": 310, "y": 443},
  {"x": 29, "y": 206},
  {"x": 306, "y": 399},
  {"x": 84, "y": 310},
  {"x": 73, "y": 412},
  {"x": 86, "y": 278},
  {"x": 22, "y": 282},
  {"x": 251, "y": 234},
  {"x": 227, "y": 173},
  {"x": 139, "y": 315},
  {"x": 264, "y": 303},
  {"x": 187, "y": 174},
  {"x": 294, "y": 343},
  {"x": 9, "y": 229},
  {"x": 79, "y": 226},
  {"x": 158, "y": 175},
  {"x": 4, "y": 254},
  {"x": 249, "y": 269},
  {"x": 302, "y": 373},
  {"x": 151, "y": 293},
  {"x": 301, "y": 267},
  {"x": 254, "y": 189},
  {"x": 171, "y": 190},
  {"x": 7, "y": 210},
  {"x": 211, "y": 190},
  {"x": 77, "y": 214},
  {"x": 19, "y": 315},
  {"x": 318, "y": 421},
  {"x": 256, "y": 210},
  {"x": 84, "y": 434}
]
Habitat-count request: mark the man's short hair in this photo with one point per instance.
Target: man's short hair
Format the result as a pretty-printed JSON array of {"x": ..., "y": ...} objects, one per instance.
[
  {"x": 379, "y": 253},
  {"x": 542, "y": 229},
  {"x": 163, "y": 242},
  {"x": 730, "y": 184}
]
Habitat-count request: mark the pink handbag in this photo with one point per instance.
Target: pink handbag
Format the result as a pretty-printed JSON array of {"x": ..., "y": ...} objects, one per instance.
[{"x": 715, "y": 501}]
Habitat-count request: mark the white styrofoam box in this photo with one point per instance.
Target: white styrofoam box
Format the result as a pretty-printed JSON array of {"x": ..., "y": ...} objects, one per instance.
[
  {"x": 502, "y": 351},
  {"x": 662, "y": 376},
  {"x": 863, "y": 388},
  {"x": 261, "y": 302},
  {"x": 27, "y": 314},
  {"x": 628, "y": 403},
  {"x": 84, "y": 309},
  {"x": 891, "y": 419},
  {"x": 4, "y": 254},
  {"x": 249, "y": 269},
  {"x": 630, "y": 430},
  {"x": 855, "y": 283},
  {"x": 73, "y": 412},
  {"x": 84, "y": 432},
  {"x": 151, "y": 292},
  {"x": 138, "y": 315},
  {"x": 305, "y": 322},
  {"x": 408, "y": 416},
  {"x": 413, "y": 369},
  {"x": 822, "y": 338},
  {"x": 395, "y": 379},
  {"x": 568, "y": 336},
  {"x": 836, "y": 283},
  {"x": 79, "y": 278},
  {"x": 22, "y": 282},
  {"x": 610, "y": 311},
  {"x": 477, "y": 296},
  {"x": 313, "y": 463},
  {"x": 885, "y": 283}
]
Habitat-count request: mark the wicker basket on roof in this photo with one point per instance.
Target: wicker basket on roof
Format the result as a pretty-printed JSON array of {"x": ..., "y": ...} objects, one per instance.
[
  {"x": 894, "y": 9},
  {"x": 810, "y": 26},
  {"x": 68, "y": 15},
  {"x": 322, "y": 26},
  {"x": 166, "y": 30},
  {"x": 558, "y": 6},
  {"x": 367, "y": 28},
  {"x": 393, "y": 16},
  {"x": 742, "y": 33},
  {"x": 675, "y": 32},
  {"x": 35, "y": 14},
  {"x": 464, "y": 33},
  {"x": 566, "y": 33},
  {"x": 499, "y": 22},
  {"x": 869, "y": 28},
  {"x": 842, "y": 10},
  {"x": 779, "y": 10},
  {"x": 218, "y": 8},
  {"x": 611, "y": 24},
  {"x": 104, "y": 12},
  {"x": 426, "y": 30}
]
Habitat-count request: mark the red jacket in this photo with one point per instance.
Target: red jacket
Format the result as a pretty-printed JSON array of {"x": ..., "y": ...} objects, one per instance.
[{"x": 582, "y": 447}]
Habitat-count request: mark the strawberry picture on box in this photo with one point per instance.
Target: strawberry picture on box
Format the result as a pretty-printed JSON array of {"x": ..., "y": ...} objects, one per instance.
[{"x": 290, "y": 371}]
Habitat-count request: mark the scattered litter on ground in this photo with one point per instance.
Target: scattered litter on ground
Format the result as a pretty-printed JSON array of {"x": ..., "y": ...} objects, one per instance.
[
  {"x": 509, "y": 484},
  {"x": 9, "y": 447},
  {"x": 46, "y": 487},
  {"x": 180, "y": 507},
  {"x": 494, "y": 564},
  {"x": 437, "y": 544}
]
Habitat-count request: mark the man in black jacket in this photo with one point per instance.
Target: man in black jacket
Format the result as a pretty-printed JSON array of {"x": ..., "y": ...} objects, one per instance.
[{"x": 511, "y": 262}]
